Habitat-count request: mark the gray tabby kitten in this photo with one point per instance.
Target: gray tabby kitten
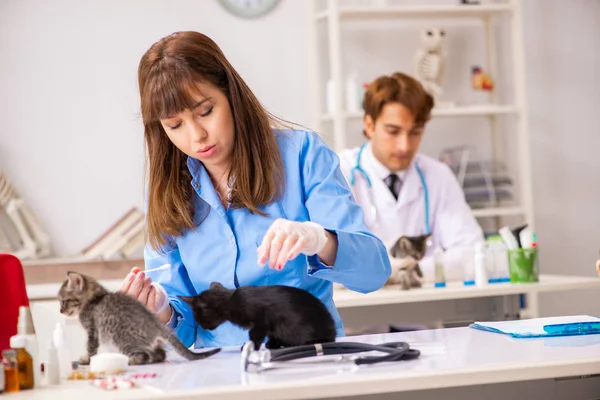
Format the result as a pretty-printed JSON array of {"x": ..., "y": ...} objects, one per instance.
[
  {"x": 117, "y": 319},
  {"x": 410, "y": 249}
]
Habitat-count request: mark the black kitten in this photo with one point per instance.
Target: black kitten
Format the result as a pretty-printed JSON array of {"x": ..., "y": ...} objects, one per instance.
[{"x": 288, "y": 316}]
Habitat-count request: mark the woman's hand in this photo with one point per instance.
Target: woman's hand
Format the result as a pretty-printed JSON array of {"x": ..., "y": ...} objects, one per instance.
[
  {"x": 150, "y": 294},
  {"x": 285, "y": 240}
]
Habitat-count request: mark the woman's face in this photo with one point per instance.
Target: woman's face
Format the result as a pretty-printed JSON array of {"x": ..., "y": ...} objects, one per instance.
[{"x": 206, "y": 132}]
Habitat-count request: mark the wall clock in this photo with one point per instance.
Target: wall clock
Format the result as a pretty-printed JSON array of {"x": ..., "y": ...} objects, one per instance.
[{"x": 249, "y": 8}]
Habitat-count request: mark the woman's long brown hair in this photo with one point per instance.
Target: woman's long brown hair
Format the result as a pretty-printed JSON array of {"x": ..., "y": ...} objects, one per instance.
[{"x": 167, "y": 74}]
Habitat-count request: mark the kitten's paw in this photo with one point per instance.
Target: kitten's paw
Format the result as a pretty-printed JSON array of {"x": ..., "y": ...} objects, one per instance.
[
  {"x": 139, "y": 359},
  {"x": 85, "y": 360},
  {"x": 159, "y": 355},
  {"x": 273, "y": 344}
]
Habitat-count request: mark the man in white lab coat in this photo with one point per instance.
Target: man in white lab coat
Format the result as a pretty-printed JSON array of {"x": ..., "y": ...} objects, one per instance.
[{"x": 394, "y": 184}]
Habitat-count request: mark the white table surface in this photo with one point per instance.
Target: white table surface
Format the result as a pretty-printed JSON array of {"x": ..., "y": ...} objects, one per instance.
[
  {"x": 452, "y": 358},
  {"x": 345, "y": 298}
]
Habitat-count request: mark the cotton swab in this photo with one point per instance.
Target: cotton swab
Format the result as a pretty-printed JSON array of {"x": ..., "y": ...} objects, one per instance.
[{"x": 162, "y": 267}]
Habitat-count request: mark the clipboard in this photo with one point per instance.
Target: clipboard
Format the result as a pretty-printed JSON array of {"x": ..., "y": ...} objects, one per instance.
[{"x": 574, "y": 325}]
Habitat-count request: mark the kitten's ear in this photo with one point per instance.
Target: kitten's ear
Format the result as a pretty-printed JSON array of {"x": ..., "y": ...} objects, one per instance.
[
  {"x": 216, "y": 285},
  {"x": 75, "y": 282},
  {"x": 406, "y": 243}
]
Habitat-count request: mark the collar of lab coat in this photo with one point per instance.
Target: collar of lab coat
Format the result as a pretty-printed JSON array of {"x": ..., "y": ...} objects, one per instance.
[
  {"x": 411, "y": 183},
  {"x": 379, "y": 170},
  {"x": 203, "y": 185}
]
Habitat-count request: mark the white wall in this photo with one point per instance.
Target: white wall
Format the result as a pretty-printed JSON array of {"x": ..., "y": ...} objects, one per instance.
[
  {"x": 563, "y": 56},
  {"x": 71, "y": 136}
]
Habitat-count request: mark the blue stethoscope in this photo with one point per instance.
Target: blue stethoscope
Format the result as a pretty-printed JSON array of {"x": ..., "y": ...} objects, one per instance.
[{"x": 358, "y": 168}]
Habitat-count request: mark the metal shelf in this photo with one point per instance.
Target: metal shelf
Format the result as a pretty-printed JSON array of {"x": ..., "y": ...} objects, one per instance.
[{"x": 498, "y": 212}]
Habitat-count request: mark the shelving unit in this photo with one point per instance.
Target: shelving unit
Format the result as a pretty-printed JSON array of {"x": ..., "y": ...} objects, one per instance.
[
  {"x": 465, "y": 111},
  {"x": 337, "y": 12},
  {"x": 414, "y": 11}
]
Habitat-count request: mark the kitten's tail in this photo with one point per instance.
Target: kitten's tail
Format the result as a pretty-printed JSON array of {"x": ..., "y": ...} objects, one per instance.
[{"x": 183, "y": 351}]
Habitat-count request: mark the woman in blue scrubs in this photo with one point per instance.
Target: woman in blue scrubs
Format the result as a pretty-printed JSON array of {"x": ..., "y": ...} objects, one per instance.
[{"x": 234, "y": 198}]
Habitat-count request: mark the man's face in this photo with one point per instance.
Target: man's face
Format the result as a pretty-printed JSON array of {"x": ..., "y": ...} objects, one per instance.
[{"x": 394, "y": 137}]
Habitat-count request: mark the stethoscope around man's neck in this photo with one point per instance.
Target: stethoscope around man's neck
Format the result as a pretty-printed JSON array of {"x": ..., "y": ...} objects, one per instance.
[{"x": 360, "y": 169}]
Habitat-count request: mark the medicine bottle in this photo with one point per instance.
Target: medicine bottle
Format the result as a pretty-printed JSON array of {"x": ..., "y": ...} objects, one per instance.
[
  {"x": 11, "y": 371},
  {"x": 481, "y": 274},
  {"x": 24, "y": 360}
]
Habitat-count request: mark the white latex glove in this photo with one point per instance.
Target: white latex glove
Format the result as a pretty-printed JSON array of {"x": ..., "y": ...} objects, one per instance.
[
  {"x": 151, "y": 294},
  {"x": 285, "y": 240}
]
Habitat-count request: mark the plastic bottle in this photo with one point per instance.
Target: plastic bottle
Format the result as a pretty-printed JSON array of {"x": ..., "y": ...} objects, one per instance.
[
  {"x": 25, "y": 328},
  {"x": 26, "y": 378},
  {"x": 51, "y": 367},
  {"x": 481, "y": 275},
  {"x": 469, "y": 269},
  {"x": 440, "y": 276},
  {"x": 62, "y": 347},
  {"x": 500, "y": 256}
]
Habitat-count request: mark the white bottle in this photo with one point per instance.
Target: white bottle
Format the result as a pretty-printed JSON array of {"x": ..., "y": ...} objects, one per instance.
[
  {"x": 62, "y": 347},
  {"x": 500, "y": 256},
  {"x": 440, "y": 276},
  {"x": 467, "y": 259},
  {"x": 353, "y": 95},
  {"x": 52, "y": 367},
  {"x": 25, "y": 328},
  {"x": 481, "y": 275}
]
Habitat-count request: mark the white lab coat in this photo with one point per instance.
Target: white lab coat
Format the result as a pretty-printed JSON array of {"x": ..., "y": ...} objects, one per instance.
[{"x": 452, "y": 223}]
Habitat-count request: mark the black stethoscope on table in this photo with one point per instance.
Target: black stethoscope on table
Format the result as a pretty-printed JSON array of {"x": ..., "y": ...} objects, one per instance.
[{"x": 264, "y": 359}]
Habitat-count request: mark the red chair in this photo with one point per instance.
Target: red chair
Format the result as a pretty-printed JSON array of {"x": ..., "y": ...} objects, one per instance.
[{"x": 13, "y": 294}]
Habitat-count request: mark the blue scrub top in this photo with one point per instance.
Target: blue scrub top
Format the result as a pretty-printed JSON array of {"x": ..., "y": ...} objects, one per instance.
[{"x": 223, "y": 248}]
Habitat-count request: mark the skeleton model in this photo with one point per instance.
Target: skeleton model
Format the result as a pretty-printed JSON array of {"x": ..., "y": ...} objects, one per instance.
[
  {"x": 430, "y": 59},
  {"x": 33, "y": 241}
]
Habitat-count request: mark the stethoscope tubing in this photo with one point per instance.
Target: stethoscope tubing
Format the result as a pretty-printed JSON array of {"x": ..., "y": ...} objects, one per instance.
[{"x": 396, "y": 351}]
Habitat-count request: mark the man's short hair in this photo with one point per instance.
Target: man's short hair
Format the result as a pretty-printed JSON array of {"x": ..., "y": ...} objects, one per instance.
[{"x": 398, "y": 88}]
